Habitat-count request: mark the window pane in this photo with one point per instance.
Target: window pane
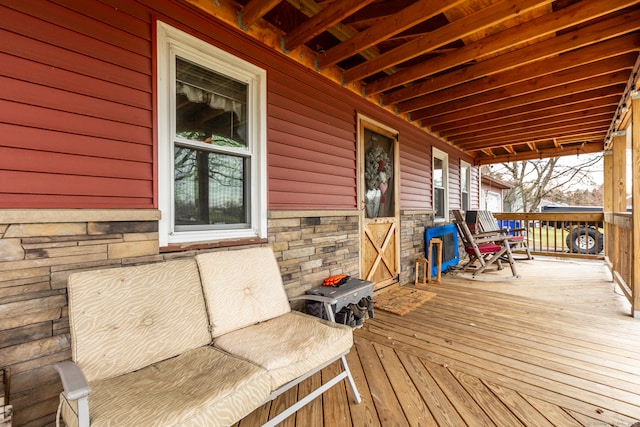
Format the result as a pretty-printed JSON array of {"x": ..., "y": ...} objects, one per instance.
[
  {"x": 209, "y": 189},
  {"x": 210, "y": 107},
  {"x": 438, "y": 202},
  {"x": 437, "y": 172},
  {"x": 464, "y": 178}
]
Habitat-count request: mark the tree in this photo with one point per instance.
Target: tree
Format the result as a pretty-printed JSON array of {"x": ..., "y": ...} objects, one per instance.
[{"x": 534, "y": 180}]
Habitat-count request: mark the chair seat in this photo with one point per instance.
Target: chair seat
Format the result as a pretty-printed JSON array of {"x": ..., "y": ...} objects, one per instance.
[
  {"x": 203, "y": 386},
  {"x": 484, "y": 248},
  {"x": 517, "y": 238},
  {"x": 289, "y": 345}
]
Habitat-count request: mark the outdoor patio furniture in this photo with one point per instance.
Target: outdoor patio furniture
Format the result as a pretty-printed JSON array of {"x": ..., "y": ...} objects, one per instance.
[
  {"x": 486, "y": 222},
  {"x": 191, "y": 342},
  {"x": 485, "y": 249}
]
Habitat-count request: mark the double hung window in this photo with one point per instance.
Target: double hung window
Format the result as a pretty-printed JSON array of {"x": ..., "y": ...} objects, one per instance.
[
  {"x": 211, "y": 142},
  {"x": 440, "y": 168}
]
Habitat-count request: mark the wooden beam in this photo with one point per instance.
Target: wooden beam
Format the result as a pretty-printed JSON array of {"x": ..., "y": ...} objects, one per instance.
[
  {"x": 559, "y": 94},
  {"x": 326, "y": 18},
  {"x": 484, "y": 18},
  {"x": 635, "y": 194},
  {"x": 394, "y": 24},
  {"x": 541, "y": 111},
  {"x": 521, "y": 88},
  {"x": 531, "y": 123},
  {"x": 340, "y": 31},
  {"x": 255, "y": 10},
  {"x": 511, "y": 132},
  {"x": 542, "y": 154},
  {"x": 506, "y": 40},
  {"x": 579, "y": 130},
  {"x": 568, "y": 63}
]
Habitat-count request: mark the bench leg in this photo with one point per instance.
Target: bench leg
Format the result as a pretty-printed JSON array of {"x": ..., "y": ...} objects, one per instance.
[
  {"x": 346, "y": 373},
  {"x": 352, "y": 383}
]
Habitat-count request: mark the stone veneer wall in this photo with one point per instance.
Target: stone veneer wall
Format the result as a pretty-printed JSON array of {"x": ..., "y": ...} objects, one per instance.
[
  {"x": 412, "y": 226},
  {"x": 39, "y": 249}
]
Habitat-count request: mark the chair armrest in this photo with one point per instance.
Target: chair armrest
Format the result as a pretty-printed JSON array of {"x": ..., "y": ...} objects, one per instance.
[
  {"x": 512, "y": 230},
  {"x": 73, "y": 380},
  {"x": 311, "y": 297},
  {"x": 495, "y": 238}
]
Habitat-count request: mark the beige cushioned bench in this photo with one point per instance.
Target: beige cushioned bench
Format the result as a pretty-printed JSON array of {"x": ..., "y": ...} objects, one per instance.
[{"x": 199, "y": 342}]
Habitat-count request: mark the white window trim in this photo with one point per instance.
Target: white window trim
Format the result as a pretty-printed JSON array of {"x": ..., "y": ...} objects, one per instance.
[
  {"x": 171, "y": 41},
  {"x": 439, "y": 154},
  {"x": 467, "y": 165}
]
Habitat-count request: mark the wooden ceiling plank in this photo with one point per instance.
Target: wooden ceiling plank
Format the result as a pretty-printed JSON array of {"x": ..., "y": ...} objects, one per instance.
[
  {"x": 543, "y": 110},
  {"x": 592, "y": 147},
  {"x": 394, "y": 24},
  {"x": 537, "y": 125},
  {"x": 488, "y": 152},
  {"x": 557, "y": 93},
  {"x": 529, "y": 86},
  {"x": 564, "y": 18},
  {"x": 513, "y": 132},
  {"x": 255, "y": 10},
  {"x": 470, "y": 24},
  {"x": 326, "y": 18},
  {"x": 629, "y": 43},
  {"x": 567, "y": 131}
]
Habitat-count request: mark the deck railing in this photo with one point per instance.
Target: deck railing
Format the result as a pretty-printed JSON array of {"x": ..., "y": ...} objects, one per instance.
[
  {"x": 575, "y": 234},
  {"x": 619, "y": 249}
]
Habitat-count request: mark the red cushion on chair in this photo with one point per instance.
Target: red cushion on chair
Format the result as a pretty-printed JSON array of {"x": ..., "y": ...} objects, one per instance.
[
  {"x": 485, "y": 248},
  {"x": 516, "y": 238}
]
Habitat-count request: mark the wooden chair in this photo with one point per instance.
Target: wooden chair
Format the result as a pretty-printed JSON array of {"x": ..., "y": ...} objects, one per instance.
[
  {"x": 486, "y": 222},
  {"x": 486, "y": 249}
]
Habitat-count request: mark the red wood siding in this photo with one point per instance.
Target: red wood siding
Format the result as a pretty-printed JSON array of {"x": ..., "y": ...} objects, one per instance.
[
  {"x": 75, "y": 108},
  {"x": 77, "y": 114}
]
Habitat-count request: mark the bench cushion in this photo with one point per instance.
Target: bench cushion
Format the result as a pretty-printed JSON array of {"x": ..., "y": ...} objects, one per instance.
[
  {"x": 123, "y": 319},
  {"x": 241, "y": 287},
  {"x": 288, "y": 346},
  {"x": 200, "y": 387}
]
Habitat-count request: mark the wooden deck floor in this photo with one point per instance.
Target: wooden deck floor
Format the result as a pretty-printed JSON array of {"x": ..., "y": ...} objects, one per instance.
[{"x": 555, "y": 348}]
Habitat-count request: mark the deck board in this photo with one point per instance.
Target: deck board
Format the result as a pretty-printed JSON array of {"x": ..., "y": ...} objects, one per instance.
[{"x": 554, "y": 351}]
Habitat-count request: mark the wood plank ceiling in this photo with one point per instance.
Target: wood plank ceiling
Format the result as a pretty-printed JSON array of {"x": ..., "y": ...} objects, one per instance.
[{"x": 503, "y": 80}]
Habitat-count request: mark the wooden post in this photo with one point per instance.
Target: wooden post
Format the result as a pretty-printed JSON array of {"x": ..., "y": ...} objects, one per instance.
[
  {"x": 635, "y": 149},
  {"x": 608, "y": 205},
  {"x": 619, "y": 190}
]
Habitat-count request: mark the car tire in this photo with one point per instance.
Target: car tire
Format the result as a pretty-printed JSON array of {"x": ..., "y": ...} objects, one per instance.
[{"x": 583, "y": 241}]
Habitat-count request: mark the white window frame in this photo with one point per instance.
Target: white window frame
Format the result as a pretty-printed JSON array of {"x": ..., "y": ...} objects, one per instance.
[
  {"x": 464, "y": 165},
  {"x": 439, "y": 154},
  {"x": 172, "y": 42}
]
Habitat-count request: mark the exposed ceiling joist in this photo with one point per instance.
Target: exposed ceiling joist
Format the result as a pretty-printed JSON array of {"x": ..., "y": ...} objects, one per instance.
[
  {"x": 321, "y": 21},
  {"x": 498, "y": 79},
  {"x": 255, "y": 10}
]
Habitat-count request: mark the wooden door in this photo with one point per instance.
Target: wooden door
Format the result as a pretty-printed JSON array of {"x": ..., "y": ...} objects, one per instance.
[{"x": 378, "y": 194}]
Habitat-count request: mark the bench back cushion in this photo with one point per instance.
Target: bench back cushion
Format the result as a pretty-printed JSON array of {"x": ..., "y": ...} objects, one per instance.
[
  {"x": 123, "y": 319},
  {"x": 241, "y": 288}
]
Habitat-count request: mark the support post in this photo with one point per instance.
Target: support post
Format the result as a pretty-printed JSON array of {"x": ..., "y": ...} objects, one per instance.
[
  {"x": 608, "y": 205},
  {"x": 635, "y": 218}
]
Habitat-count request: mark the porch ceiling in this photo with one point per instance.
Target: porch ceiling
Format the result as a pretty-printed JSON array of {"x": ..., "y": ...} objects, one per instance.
[{"x": 502, "y": 80}]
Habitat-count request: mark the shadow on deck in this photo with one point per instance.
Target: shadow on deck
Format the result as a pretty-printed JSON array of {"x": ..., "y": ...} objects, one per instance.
[{"x": 555, "y": 348}]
